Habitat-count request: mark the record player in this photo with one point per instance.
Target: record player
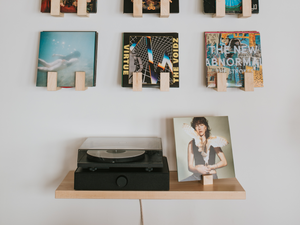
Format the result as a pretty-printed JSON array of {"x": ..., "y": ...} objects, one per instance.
[{"x": 121, "y": 164}]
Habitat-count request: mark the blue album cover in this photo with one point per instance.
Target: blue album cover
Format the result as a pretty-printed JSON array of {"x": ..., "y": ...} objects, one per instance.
[
  {"x": 231, "y": 6},
  {"x": 67, "y": 53}
]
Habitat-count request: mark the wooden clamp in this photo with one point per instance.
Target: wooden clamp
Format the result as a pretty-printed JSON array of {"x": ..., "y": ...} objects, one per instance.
[
  {"x": 82, "y": 8},
  {"x": 80, "y": 81},
  {"x": 248, "y": 82},
  {"x": 220, "y": 9},
  {"x": 164, "y": 81},
  {"x": 55, "y": 8},
  {"x": 164, "y": 8},
  {"x": 137, "y": 81},
  {"x": 221, "y": 82},
  {"x": 137, "y": 8},
  {"x": 207, "y": 179},
  {"x": 52, "y": 81},
  {"x": 246, "y": 9}
]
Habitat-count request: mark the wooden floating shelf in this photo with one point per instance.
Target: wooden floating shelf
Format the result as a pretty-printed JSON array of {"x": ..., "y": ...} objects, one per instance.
[{"x": 221, "y": 189}]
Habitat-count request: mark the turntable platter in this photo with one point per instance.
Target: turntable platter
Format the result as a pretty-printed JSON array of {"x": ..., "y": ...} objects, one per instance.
[{"x": 115, "y": 156}]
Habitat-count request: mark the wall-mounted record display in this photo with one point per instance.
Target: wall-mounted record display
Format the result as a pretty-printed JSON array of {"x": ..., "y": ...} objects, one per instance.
[
  {"x": 151, "y": 6},
  {"x": 67, "y": 53},
  {"x": 233, "y": 53},
  {"x": 150, "y": 54},
  {"x": 231, "y": 6},
  {"x": 69, "y": 6}
]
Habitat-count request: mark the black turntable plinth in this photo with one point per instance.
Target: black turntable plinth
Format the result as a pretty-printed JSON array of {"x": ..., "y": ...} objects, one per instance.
[{"x": 123, "y": 179}]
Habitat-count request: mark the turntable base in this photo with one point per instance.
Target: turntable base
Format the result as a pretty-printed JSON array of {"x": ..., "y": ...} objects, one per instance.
[{"x": 135, "y": 179}]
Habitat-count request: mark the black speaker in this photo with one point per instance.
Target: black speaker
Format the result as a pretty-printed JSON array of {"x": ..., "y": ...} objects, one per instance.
[{"x": 136, "y": 179}]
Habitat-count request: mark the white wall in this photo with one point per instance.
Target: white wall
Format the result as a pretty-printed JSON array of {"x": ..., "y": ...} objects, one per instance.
[{"x": 41, "y": 131}]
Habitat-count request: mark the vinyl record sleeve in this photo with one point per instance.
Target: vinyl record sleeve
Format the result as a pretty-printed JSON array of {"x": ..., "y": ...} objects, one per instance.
[
  {"x": 67, "y": 52},
  {"x": 233, "y": 53},
  {"x": 232, "y": 6},
  {"x": 203, "y": 146},
  {"x": 150, "y": 54},
  {"x": 69, "y": 6},
  {"x": 151, "y": 6}
]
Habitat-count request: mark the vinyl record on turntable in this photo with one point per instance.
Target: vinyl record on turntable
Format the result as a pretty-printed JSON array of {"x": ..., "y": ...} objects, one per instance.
[{"x": 115, "y": 156}]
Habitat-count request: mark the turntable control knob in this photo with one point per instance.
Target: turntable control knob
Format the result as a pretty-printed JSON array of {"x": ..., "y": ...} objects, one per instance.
[{"x": 121, "y": 181}]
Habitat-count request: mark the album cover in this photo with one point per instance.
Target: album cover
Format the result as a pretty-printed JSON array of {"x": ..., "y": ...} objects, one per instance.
[
  {"x": 151, "y": 6},
  {"x": 67, "y": 53},
  {"x": 231, "y": 6},
  {"x": 150, "y": 54},
  {"x": 233, "y": 53},
  {"x": 203, "y": 146},
  {"x": 69, "y": 6}
]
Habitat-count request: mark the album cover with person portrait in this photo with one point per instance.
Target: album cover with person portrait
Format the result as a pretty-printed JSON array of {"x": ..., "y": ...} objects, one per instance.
[
  {"x": 150, "y": 54},
  {"x": 69, "y": 6},
  {"x": 151, "y": 6},
  {"x": 67, "y": 53},
  {"x": 203, "y": 146},
  {"x": 233, "y": 53},
  {"x": 231, "y": 6}
]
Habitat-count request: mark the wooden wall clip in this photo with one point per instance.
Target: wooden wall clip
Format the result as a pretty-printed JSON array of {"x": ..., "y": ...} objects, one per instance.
[
  {"x": 55, "y": 8},
  {"x": 137, "y": 8},
  {"x": 207, "y": 179},
  {"x": 80, "y": 81},
  {"x": 52, "y": 81},
  {"x": 82, "y": 8},
  {"x": 137, "y": 81},
  {"x": 164, "y": 81},
  {"x": 220, "y": 9},
  {"x": 246, "y": 9},
  {"x": 164, "y": 8},
  {"x": 248, "y": 82},
  {"x": 221, "y": 82}
]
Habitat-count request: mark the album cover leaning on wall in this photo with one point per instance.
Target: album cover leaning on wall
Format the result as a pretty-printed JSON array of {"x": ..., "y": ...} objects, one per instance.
[{"x": 203, "y": 146}]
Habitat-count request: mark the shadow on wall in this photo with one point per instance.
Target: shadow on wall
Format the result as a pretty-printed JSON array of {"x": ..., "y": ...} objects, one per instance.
[
  {"x": 66, "y": 162},
  {"x": 167, "y": 135},
  {"x": 294, "y": 120}
]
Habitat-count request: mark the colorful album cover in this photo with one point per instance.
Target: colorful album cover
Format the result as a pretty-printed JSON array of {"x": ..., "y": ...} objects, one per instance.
[
  {"x": 231, "y": 6},
  {"x": 151, "y": 6},
  {"x": 233, "y": 53},
  {"x": 203, "y": 146},
  {"x": 69, "y": 6},
  {"x": 67, "y": 53},
  {"x": 150, "y": 54}
]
